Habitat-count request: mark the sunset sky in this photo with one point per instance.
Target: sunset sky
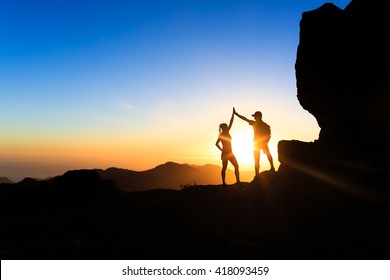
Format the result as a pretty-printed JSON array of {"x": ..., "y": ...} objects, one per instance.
[{"x": 133, "y": 84}]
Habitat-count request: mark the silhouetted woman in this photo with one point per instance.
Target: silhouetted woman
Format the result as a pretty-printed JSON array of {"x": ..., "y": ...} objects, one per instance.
[{"x": 226, "y": 149}]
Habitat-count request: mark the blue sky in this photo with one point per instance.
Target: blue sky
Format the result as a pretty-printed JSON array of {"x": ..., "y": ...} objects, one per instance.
[{"x": 142, "y": 76}]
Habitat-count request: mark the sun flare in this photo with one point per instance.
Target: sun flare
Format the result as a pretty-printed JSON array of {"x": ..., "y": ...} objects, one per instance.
[{"x": 242, "y": 145}]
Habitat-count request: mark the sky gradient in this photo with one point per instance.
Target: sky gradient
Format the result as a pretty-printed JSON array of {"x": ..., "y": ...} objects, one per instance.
[{"x": 133, "y": 84}]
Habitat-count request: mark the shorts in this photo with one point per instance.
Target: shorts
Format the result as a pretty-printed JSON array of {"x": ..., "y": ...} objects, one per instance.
[
  {"x": 227, "y": 155},
  {"x": 261, "y": 146}
]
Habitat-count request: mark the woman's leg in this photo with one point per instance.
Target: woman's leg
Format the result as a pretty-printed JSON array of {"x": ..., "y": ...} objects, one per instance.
[
  {"x": 233, "y": 160},
  {"x": 223, "y": 172}
]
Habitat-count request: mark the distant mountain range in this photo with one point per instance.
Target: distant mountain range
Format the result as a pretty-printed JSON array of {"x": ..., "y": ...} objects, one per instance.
[
  {"x": 165, "y": 176},
  {"x": 169, "y": 175}
]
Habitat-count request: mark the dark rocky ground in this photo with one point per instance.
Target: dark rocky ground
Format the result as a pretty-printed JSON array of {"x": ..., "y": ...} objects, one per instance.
[{"x": 278, "y": 216}]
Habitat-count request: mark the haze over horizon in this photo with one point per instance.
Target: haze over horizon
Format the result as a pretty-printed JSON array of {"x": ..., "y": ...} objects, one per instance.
[{"x": 96, "y": 84}]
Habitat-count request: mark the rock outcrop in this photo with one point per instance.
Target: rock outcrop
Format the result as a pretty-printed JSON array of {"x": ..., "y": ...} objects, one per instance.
[{"x": 343, "y": 79}]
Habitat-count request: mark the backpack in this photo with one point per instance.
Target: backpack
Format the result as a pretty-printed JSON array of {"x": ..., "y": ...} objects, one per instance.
[{"x": 265, "y": 131}]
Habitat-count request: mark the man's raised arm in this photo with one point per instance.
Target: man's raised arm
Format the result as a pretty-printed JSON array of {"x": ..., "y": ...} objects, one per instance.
[{"x": 241, "y": 117}]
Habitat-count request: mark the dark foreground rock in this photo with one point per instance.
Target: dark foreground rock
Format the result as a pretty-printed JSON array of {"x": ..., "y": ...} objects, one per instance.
[
  {"x": 339, "y": 183},
  {"x": 274, "y": 217},
  {"x": 343, "y": 79}
]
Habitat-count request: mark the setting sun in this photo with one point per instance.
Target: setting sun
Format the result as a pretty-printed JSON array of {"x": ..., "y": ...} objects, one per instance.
[
  {"x": 242, "y": 145},
  {"x": 243, "y": 148}
]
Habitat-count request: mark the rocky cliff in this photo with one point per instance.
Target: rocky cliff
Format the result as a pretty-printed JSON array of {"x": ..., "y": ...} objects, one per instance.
[{"x": 343, "y": 79}]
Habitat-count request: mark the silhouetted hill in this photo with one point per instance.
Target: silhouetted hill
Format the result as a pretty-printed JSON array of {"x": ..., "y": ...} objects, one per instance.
[
  {"x": 5, "y": 180},
  {"x": 81, "y": 184},
  {"x": 167, "y": 176},
  {"x": 75, "y": 186}
]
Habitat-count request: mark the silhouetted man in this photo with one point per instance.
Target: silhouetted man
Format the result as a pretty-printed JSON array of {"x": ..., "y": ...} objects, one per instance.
[{"x": 262, "y": 134}]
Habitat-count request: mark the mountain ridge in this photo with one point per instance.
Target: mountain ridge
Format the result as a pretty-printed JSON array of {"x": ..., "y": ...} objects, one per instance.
[{"x": 170, "y": 175}]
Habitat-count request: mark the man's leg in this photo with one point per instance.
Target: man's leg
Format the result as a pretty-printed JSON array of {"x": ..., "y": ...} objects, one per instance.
[
  {"x": 256, "y": 155},
  {"x": 269, "y": 156}
]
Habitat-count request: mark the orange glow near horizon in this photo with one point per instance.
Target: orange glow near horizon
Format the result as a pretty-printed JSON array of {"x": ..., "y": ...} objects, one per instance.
[{"x": 178, "y": 137}]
